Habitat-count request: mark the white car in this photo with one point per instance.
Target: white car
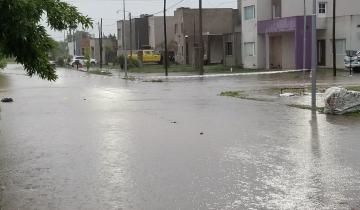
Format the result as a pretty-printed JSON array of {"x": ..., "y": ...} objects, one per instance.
[
  {"x": 352, "y": 59},
  {"x": 81, "y": 60}
]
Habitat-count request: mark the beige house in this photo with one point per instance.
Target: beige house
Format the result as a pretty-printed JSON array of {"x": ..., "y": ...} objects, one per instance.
[
  {"x": 156, "y": 31},
  {"x": 216, "y": 23},
  {"x": 109, "y": 49}
]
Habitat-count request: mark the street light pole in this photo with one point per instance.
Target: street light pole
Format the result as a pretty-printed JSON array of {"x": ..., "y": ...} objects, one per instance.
[
  {"x": 305, "y": 32},
  {"x": 124, "y": 42},
  {"x": 201, "y": 42},
  {"x": 314, "y": 58},
  {"x": 334, "y": 38},
  {"x": 165, "y": 42}
]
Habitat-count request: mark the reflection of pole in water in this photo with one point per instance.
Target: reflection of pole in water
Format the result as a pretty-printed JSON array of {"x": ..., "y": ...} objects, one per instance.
[{"x": 315, "y": 179}]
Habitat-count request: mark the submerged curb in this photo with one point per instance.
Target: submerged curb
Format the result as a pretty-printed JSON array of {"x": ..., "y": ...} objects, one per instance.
[{"x": 218, "y": 75}]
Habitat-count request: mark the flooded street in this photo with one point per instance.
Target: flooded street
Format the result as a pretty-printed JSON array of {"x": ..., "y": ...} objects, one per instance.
[{"x": 99, "y": 142}]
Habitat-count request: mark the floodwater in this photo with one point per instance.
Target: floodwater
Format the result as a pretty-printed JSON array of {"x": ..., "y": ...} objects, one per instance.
[{"x": 97, "y": 142}]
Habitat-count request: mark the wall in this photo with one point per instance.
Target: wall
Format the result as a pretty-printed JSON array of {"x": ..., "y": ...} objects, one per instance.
[
  {"x": 288, "y": 52},
  {"x": 107, "y": 43},
  {"x": 235, "y": 59},
  {"x": 249, "y": 34},
  {"x": 347, "y": 28},
  {"x": 119, "y": 35},
  {"x": 156, "y": 31},
  {"x": 213, "y": 24},
  {"x": 296, "y": 7},
  {"x": 141, "y": 32}
]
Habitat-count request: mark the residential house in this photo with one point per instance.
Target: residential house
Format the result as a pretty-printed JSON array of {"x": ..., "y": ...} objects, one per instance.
[
  {"x": 78, "y": 43},
  {"x": 128, "y": 41},
  {"x": 216, "y": 23},
  {"x": 136, "y": 33},
  {"x": 109, "y": 49},
  {"x": 273, "y": 32},
  {"x": 156, "y": 32}
]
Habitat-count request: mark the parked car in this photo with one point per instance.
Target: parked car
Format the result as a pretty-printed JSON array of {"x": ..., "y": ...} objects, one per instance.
[
  {"x": 81, "y": 60},
  {"x": 352, "y": 60},
  {"x": 148, "y": 56}
]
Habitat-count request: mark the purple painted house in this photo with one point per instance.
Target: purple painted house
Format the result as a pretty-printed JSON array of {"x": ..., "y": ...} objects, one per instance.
[{"x": 273, "y": 32}]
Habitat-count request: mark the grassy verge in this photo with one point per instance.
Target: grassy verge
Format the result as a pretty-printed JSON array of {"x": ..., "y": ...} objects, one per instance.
[
  {"x": 100, "y": 72},
  {"x": 209, "y": 69}
]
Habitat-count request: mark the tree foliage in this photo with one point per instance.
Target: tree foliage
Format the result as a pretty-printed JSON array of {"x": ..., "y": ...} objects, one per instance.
[
  {"x": 23, "y": 37},
  {"x": 2, "y": 62}
]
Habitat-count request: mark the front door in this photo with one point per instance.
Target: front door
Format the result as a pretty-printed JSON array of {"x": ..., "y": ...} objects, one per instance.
[{"x": 321, "y": 53}]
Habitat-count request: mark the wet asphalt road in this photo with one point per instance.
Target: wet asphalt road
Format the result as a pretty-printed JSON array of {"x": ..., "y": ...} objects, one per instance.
[{"x": 95, "y": 142}]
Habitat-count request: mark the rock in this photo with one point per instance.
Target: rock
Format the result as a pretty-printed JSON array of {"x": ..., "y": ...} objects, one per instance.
[
  {"x": 339, "y": 100},
  {"x": 7, "y": 100}
]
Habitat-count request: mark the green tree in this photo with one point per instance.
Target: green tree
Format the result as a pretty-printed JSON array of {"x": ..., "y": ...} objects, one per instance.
[{"x": 23, "y": 37}]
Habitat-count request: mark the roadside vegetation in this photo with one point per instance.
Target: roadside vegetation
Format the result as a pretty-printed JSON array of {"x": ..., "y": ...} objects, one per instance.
[{"x": 24, "y": 38}]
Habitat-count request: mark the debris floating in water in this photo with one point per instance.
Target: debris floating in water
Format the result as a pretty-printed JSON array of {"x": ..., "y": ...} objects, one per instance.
[
  {"x": 202, "y": 133},
  {"x": 7, "y": 100}
]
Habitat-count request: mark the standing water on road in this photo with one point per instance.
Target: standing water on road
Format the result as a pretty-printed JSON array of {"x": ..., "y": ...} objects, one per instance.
[{"x": 99, "y": 142}]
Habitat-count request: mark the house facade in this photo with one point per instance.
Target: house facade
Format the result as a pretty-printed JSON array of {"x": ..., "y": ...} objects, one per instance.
[
  {"x": 109, "y": 49},
  {"x": 121, "y": 25},
  {"x": 156, "y": 31},
  {"x": 273, "y": 32},
  {"x": 78, "y": 43},
  {"x": 216, "y": 23}
]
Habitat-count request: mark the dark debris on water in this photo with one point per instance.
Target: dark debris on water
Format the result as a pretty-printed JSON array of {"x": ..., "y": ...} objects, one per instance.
[{"x": 7, "y": 100}]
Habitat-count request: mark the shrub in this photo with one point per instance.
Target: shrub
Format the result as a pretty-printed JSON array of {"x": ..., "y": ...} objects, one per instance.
[
  {"x": 131, "y": 62},
  {"x": 2, "y": 63}
]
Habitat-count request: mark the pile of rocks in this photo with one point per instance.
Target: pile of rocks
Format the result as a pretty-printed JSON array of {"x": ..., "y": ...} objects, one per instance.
[{"x": 339, "y": 100}]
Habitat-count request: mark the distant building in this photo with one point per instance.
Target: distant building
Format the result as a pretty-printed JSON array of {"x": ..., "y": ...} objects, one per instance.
[
  {"x": 156, "y": 31},
  {"x": 127, "y": 37},
  {"x": 136, "y": 33},
  {"x": 273, "y": 32},
  {"x": 109, "y": 49},
  {"x": 78, "y": 43},
  {"x": 216, "y": 23}
]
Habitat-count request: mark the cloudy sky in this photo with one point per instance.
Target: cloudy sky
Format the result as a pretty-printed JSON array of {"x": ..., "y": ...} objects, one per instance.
[{"x": 107, "y": 9}]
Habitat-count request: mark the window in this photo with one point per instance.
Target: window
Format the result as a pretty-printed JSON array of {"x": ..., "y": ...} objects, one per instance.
[
  {"x": 229, "y": 48},
  {"x": 340, "y": 46},
  {"x": 249, "y": 12},
  {"x": 322, "y": 8},
  {"x": 249, "y": 48},
  {"x": 176, "y": 28},
  {"x": 276, "y": 9}
]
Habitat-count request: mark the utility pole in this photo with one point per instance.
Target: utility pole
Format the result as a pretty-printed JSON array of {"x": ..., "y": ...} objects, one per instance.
[
  {"x": 165, "y": 40},
  {"x": 100, "y": 43},
  {"x": 334, "y": 38},
  {"x": 314, "y": 58},
  {"x": 130, "y": 35},
  {"x": 201, "y": 44},
  {"x": 124, "y": 43},
  {"x": 305, "y": 33}
]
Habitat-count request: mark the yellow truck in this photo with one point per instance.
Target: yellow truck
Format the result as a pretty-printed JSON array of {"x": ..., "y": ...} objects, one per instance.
[{"x": 147, "y": 56}]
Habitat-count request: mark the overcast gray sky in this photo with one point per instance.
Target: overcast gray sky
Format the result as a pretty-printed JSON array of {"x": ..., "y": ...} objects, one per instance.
[{"x": 107, "y": 9}]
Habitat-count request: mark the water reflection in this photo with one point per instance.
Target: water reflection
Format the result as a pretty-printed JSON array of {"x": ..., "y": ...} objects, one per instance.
[{"x": 315, "y": 178}]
